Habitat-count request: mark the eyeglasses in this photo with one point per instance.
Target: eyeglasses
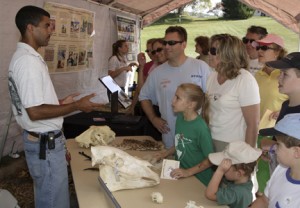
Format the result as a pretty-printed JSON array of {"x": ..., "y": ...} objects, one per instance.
[
  {"x": 246, "y": 40},
  {"x": 213, "y": 51},
  {"x": 156, "y": 51},
  {"x": 171, "y": 42},
  {"x": 264, "y": 48},
  {"x": 147, "y": 51}
]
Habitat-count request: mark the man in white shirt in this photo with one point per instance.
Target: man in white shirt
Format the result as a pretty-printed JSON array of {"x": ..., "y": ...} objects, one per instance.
[{"x": 38, "y": 110}]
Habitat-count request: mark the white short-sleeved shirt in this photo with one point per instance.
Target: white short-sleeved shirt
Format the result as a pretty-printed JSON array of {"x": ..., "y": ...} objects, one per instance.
[
  {"x": 30, "y": 85},
  {"x": 254, "y": 66},
  {"x": 114, "y": 64},
  {"x": 227, "y": 122},
  {"x": 282, "y": 190},
  {"x": 161, "y": 85}
]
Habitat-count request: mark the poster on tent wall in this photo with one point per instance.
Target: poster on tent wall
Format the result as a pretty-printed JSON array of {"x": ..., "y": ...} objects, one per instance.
[
  {"x": 70, "y": 48},
  {"x": 127, "y": 31}
]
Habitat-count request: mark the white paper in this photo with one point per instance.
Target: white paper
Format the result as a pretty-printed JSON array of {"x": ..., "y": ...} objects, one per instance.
[{"x": 167, "y": 167}]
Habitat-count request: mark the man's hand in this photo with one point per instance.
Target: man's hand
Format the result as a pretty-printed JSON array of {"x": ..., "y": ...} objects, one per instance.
[
  {"x": 69, "y": 99},
  {"x": 160, "y": 124},
  {"x": 85, "y": 105}
]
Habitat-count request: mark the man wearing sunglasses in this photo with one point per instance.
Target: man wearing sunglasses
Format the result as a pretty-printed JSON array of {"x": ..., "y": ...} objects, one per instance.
[
  {"x": 162, "y": 83},
  {"x": 253, "y": 33}
]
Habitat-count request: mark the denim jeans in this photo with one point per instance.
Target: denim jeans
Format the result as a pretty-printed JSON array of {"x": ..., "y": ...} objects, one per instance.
[{"x": 50, "y": 176}]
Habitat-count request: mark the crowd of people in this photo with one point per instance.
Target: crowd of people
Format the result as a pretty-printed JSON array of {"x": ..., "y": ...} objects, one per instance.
[{"x": 209, "y": 110}]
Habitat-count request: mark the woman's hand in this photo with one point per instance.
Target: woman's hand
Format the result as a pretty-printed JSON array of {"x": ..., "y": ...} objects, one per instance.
[
  {"x": 127, "y": 68},
  {"x": 274, "y": 115}
]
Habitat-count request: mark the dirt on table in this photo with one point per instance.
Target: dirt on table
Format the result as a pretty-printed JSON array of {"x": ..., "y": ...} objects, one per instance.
[{"x": 15, "y": 177}]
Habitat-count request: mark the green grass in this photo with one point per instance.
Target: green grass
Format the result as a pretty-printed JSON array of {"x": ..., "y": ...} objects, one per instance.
[{"x": 209, "y": 27}]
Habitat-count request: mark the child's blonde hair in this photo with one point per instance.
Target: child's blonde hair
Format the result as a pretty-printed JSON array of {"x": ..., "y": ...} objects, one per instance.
[{"x": 194, "y": 93}]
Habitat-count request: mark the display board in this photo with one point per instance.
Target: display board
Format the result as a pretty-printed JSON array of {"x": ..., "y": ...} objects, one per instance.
[{"x": 71, "y": 45}]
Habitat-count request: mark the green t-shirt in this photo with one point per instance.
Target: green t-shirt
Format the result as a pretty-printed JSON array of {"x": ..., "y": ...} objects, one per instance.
[
  {"x": 193, "y": 143},
  {"x": 235, "y": 195}
]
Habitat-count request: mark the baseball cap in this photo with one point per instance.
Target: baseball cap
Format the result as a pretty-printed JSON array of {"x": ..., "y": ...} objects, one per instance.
[
  {"x": 292, "y": 60},
  {"x": 238, "y": 152},
  {"x": 271, "y": 38},
  {"x": 289, "y": 125}
]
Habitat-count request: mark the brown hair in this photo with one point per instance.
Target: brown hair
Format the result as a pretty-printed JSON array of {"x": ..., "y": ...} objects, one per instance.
[
  {"x": 160, "y": 40},
  {"x": 203, "y": 41},
  {"x": 232, "y": 53},
  {"x": 297, "y": 72},
  {"x": 115, "y": 48},
  {"x": 261, "y": 31},
  {"x": 195, "y": 93},
  {"x": 248, "y": 168},
  {"x": 150, "y": 41},
  {"x": 289, "y": 141},
  {"x": 179, "y": 30}
]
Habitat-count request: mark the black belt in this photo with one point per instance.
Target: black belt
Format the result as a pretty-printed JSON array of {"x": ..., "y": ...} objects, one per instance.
[
  {"x": 45, "y": 138},
  {"x": 59, "y": 134}
]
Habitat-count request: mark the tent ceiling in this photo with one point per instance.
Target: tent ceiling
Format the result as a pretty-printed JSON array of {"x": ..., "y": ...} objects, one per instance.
[
  {"x": 148, "y": 10},
  {"x": 287, "y": 12}
]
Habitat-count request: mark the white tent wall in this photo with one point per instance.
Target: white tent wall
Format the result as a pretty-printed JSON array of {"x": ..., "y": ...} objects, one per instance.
[{"x": 65, "y": 83}]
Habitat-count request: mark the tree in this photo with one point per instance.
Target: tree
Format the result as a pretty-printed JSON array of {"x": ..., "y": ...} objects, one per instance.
[{"x": 233, "y": 9}]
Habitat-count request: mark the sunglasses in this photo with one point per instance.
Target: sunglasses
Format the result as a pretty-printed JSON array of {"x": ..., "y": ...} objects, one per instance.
[
  {"x": 213, "y": 51},
  {"x": 156, "y": 51},
  {"x": 147, "y": 51},
  {"x": 264, "y": 48},
  {"x": 171, "y": 42},
  {"x": 246, "y": 40}
]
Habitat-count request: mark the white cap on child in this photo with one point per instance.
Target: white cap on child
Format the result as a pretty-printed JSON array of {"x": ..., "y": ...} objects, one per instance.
[{"x": 238, "y": 152}]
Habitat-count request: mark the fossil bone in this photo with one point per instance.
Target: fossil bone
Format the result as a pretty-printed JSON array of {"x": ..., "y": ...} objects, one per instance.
[
  {"x": 96, "y": 135},
  {"x": 157, "y": 197},
  {"x": 119, "y": 170}
]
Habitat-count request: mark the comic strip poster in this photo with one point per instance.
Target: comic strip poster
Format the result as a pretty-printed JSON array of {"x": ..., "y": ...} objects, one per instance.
[
  {"x": 71, "y": 44},
  {"x": 127, "y": 31}
]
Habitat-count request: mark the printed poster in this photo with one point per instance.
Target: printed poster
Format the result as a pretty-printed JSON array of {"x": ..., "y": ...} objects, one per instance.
[
  {"x": 71, "y": 44},
  {"x": 127, "y": 31}
]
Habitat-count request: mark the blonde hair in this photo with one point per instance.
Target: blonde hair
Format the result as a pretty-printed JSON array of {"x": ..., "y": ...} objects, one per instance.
[
  {"x": 232, "y": 53},
  {"x": 281, "y": 51},
  {"x": 194, "y": 93}
]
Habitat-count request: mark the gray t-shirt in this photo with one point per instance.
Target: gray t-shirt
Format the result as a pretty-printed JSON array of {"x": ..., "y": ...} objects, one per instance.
[{"x": 161, "y": 85}]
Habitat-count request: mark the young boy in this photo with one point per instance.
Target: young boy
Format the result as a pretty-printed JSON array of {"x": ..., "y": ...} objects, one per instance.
[
  {"x": 289, "y": 84},
  {"x": 284, "y": 186},
  {"x": 236, "y": 163}
]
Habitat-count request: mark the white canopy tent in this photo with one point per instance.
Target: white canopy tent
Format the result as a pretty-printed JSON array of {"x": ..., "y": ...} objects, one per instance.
[{"x": 144, "y": 12}]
